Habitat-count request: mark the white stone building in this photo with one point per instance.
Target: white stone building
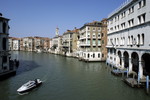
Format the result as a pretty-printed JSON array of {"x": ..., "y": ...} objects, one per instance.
[
  {"x": 56, "y": 43},
  {"x": 67, "y": 43},
  {"x": 10, "y": 43},
  {"x": 16, "y": 44},
  {"x": 128, "y": 37},
  {"x": 28, "y": 44}
]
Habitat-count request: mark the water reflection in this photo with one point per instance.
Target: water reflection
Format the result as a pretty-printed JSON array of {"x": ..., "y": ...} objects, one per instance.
[{"x": 26, "y": 66}]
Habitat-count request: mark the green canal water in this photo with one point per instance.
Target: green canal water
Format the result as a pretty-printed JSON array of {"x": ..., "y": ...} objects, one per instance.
[{"x": 66, "y": 79}]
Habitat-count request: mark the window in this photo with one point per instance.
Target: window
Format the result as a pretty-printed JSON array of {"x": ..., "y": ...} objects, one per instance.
[
  {"x": 93, "y": 55},
  {"x": 123, "y": 25},
  {"x": 118, "y": 27},
  {"x": 131, "y": 41},
  {"x": 102, "y": 34},
  {"x": 93, "y": 29},
  {"x": 139, "y": 5},
  {"x": 102, "y": 55},
  {"x": 99, "y": 35},
  {"x": 138, "y": 40},
  {"x": 98, "y": 55},
  {"x": 143, "y": 3},
  {"x": 132, "y": 9},
  {"x": 142, "y": 39},
  {"x": 4, "y": 27},
  {"x": 94, "y": 35},
  {"x": 131, "y": 23},
  {"x": 94, "y": 42},
  {"x": 115, "y": 28},
  {"x": 123, "y": 14},
  {"x": 118, "y": 17},
  {"x": 102, "y": 41},
  {"x": 141, "y": 19},
  {"x": 111, "y": 28},
  {"x": 88, "y": 55},
  {"x": 4, "y": 43},
  {"x": 99, "y": 42},
  {"x": 115, "y": 19}
]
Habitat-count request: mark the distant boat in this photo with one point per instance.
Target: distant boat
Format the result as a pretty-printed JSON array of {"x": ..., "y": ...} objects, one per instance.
[
  {"x": 29, "y": 86},
  {"x": 39, "y": 51}
]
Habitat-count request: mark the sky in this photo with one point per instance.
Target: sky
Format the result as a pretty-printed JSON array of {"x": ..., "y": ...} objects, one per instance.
[{"x": 41, "y": 17}]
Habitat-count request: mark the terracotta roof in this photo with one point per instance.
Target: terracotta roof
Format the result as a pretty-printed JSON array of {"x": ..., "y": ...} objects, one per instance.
[{"x": 14, "y": 38}]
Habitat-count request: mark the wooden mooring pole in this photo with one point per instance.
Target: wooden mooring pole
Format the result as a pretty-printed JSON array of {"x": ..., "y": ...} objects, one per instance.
[{"x": 147, "y": 84}]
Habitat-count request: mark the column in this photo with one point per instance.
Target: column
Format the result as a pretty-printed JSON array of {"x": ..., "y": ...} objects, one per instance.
[
  {"x": 130, "y": 65},
  {"x": 122, "y": 60},
  {"x": 140, "y": 69}
]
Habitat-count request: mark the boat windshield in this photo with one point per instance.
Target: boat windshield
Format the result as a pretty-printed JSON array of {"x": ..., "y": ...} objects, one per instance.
[{"x": 29, "y": 83}]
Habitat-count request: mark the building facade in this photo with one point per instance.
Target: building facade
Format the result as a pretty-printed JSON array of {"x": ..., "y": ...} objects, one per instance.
[
  {"x": 128, "y": 37},
  {"x": 28, "y": 44},
  {"x": 91, "y": 41},
  {"x": 69, "y": 42},
  {"x": 16, "y": 44},
  {"x": 6, "y": 65}
]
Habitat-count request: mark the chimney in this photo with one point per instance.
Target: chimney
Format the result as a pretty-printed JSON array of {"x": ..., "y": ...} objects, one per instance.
[{"x": 1, "y": 14}]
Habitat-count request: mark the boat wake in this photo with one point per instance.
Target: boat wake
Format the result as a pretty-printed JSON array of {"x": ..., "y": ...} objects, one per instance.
[
  {"x": 45, "y": 77},
  {"x": 23, "y": 93}
]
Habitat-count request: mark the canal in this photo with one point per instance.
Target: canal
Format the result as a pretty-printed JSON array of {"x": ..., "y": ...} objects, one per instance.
[{"x": 66, "y": 79}]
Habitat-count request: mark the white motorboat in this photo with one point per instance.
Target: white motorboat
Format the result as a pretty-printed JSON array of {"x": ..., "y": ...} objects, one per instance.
[{"x": 29, "y": 86}]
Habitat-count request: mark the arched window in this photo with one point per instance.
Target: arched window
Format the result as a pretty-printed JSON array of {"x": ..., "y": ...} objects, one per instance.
[
  {"x": 142, "y": 40},
  {"x": 4, "y": 43},
  {"x": 118, "y": 41},
  {"x": 138, "y": 39},
  {"x": 131, "y": 41}
]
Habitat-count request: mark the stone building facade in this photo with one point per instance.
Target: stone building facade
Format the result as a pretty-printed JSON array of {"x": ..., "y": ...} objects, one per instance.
[
  {"x": 128, "y": 37},
  {"x": 91, "y": 48}
]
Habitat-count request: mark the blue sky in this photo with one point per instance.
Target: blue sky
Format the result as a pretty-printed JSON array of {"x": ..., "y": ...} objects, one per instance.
[{"x": 41, "y": 17}]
